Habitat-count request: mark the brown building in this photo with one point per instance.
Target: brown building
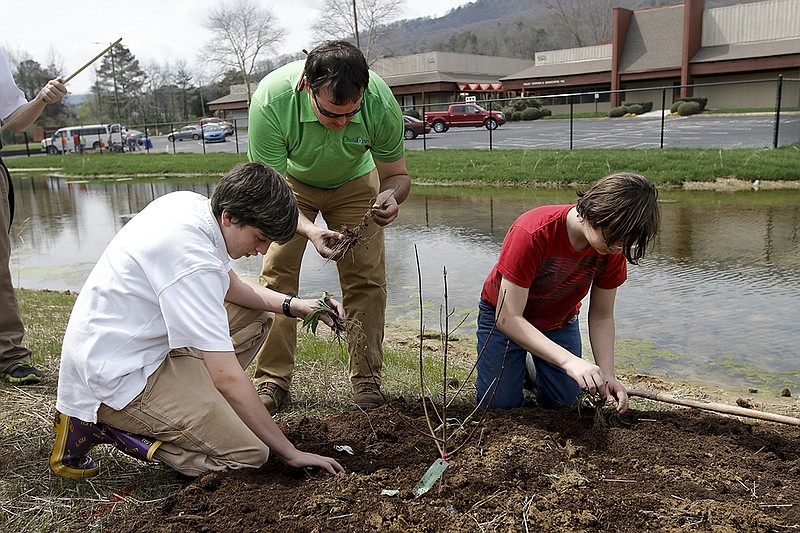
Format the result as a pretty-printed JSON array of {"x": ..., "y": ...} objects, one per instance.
[
  {"x": 679, "y": 46},
  {"x": 233, "y": 106},
  {"x": 441, "y": 77}
]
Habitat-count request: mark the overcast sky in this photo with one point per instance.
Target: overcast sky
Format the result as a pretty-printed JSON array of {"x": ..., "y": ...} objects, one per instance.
[{"x": 153, "y": 30}]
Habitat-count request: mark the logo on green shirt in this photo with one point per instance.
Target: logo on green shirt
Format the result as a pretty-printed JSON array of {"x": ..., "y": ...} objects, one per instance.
[{"x": 355, "y": 140}]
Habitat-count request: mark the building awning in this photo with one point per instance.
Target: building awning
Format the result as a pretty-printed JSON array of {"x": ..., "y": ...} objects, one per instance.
[{"x": 480, "y": 86}]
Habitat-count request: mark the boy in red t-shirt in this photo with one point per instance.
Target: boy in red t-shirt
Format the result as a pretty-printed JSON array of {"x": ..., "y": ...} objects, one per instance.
[{"x": 551, "y": 257}]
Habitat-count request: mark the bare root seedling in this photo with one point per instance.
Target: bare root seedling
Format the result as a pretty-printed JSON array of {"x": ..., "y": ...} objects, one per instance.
[
  {"x": 448, "y": 434},
  {"x": 352, "y": 237},
  {"x": 603, "y": 411}
]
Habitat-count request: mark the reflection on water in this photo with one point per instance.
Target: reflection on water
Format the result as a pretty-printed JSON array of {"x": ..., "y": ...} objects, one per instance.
[{"x": 718, "y": 287}]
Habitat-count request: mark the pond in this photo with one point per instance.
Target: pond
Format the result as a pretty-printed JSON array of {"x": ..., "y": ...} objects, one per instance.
[{"x": 712, "y": 302}]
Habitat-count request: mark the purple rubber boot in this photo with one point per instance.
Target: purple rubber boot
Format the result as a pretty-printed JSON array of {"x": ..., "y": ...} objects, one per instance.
[
  {"x": 74, "y": 439},
  {"x": 137, "y": 446}
]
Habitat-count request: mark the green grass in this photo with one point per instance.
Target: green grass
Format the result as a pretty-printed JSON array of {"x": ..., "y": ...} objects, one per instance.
[
  {"x": 671, "y": 166},
  {"x": 118, "y": 165},
  {"x": 34, "y": 147},
  {"x": 668, "y": 166}
]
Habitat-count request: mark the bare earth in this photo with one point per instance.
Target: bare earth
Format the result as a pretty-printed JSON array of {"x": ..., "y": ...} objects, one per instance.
[{"x": 523, "y": 470}]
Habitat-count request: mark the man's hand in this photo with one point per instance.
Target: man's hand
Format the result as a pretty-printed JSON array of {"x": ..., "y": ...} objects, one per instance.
[
  {"x": 385, "y": 209},
  {"x": 306, "y": 459},
  {"x": 54, "y": 91},
  {"x": 324, "y": 241}
]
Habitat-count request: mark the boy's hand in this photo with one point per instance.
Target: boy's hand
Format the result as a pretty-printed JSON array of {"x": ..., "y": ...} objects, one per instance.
[
  {"x": 306, "y": 459},
  {"x": 588, "y": 376},
  {"x": 617, "y": 390}
]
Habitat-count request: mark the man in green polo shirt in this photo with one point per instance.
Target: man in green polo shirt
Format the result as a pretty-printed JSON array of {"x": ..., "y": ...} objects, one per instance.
[{"x": 335, "y": 131}]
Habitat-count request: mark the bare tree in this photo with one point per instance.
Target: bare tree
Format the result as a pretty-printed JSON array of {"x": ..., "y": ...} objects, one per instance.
[
  {"x": 341, "y": 18},
  {"x": 244, "y": 31},
  {"x": 588, "y": 22}
]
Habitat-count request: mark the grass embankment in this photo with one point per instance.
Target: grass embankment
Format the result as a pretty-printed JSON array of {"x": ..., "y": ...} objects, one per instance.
[{"x": 478, "y": 167}]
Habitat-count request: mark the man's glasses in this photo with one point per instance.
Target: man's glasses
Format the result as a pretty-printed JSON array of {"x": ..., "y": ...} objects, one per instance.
[
  {"x": 614, "y": 247},
  {"x": 324, "y": 112}
]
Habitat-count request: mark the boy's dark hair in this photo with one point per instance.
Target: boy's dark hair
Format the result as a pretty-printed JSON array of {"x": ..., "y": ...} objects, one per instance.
[
  {"x": 624, "y": 205},
  {"x": 255, "y": 195},
  {"x": 339, "y": 66}
]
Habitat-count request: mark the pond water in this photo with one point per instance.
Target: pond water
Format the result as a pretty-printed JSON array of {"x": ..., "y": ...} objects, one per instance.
[{"x": 712, "y": 302}]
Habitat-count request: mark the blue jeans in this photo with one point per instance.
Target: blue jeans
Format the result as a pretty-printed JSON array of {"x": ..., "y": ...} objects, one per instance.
[{"x": 555, "y": 388}]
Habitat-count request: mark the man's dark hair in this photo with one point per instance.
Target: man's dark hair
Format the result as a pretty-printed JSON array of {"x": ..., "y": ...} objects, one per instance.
[
  {"x": 254, "y": 194},
  {"x": 624, "y": 205},
  {"x": 339, "y": 66}
]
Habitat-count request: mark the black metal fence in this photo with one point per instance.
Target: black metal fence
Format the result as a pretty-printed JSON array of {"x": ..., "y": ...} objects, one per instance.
[{"x": 757, "y": 113}]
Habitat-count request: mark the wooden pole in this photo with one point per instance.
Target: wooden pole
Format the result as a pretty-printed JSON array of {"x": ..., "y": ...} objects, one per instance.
[
  {"x": 95, "y": 58},
  {"x": 718, "y": 407},
  {"x": 37, "y": 101}
]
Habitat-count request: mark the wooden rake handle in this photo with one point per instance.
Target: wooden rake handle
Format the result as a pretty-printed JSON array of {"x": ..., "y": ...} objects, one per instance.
[{"x": 717, "y": 407}]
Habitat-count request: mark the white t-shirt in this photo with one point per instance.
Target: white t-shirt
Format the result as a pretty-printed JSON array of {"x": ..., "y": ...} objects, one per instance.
[
  {"x": 159, "y": 285},
  {"x": 11, "y": 98}
]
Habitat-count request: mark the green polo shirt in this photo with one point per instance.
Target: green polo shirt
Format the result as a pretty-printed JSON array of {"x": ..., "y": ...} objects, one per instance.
[{"x": 284, "y": 132}]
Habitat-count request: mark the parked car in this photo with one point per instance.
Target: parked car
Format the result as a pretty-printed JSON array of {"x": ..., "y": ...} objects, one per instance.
[
  {"x": 414, "y": 126},
  {"x": 459, "y": 115},
  {"x": 187, "y": 132},
  {"x": 226, "y": 126},
  {"x": 213, "y": 133}
]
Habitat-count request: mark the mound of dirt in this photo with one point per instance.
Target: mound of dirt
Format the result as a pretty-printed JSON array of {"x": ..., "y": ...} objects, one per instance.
[{"x": 522, "y": 470}]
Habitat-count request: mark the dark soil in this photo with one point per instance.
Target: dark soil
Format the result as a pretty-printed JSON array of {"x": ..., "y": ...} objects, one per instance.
[{"x": 523, "y": 470}]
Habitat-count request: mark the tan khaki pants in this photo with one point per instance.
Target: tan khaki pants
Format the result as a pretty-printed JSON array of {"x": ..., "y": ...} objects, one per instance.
[
  {"x": 181, "y": 407},
  {"x": 362, "y": 276},
  {"x": 11, "y": 328}
]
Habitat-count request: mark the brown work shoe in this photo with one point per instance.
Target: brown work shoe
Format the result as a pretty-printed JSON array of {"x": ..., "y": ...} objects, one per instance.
[
  {"x": 272, "y": 395},
  {"x": 367, "y": 395}
]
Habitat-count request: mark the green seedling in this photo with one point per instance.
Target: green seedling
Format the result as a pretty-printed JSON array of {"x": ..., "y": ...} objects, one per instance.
[{"x": 323, "y": 307}]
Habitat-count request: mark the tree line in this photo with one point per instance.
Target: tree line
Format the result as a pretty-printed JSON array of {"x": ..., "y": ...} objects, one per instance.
[{"x": 247, "y": 34}]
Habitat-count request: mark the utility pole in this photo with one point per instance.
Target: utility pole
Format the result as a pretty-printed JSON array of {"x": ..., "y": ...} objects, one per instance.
[
  {"x": 355, "y": 23},
  {"x": 114, "y": 76}
]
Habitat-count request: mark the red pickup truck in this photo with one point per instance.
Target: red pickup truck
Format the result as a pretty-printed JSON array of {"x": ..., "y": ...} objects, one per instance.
[{"x": 464, "y": 115}]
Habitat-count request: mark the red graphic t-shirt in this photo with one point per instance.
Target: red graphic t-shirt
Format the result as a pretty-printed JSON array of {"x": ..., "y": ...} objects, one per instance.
[{"x": 537, "y": 254}]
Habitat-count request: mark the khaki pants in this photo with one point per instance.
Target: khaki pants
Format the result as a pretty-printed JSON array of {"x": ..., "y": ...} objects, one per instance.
[
  {"x": 362, "y": 276},
  {"x": 11, "y": 328},
  {"x": 181, "y": 407}
]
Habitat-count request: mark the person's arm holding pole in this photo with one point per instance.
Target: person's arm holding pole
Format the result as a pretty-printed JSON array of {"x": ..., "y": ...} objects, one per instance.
[{"x": 26, "y": 114}]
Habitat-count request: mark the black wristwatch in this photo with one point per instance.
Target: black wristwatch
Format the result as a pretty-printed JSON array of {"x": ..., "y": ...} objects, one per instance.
[{"x": 287, "y": 302}]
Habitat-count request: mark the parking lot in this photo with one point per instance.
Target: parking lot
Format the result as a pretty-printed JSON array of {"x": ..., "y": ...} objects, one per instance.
[
  {"x": 698, "y": 131},
  {"x": 724, "y": 131}
]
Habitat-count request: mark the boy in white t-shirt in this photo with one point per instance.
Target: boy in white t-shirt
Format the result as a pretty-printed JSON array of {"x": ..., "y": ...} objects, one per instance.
[{"x": 154, "y": 353}]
